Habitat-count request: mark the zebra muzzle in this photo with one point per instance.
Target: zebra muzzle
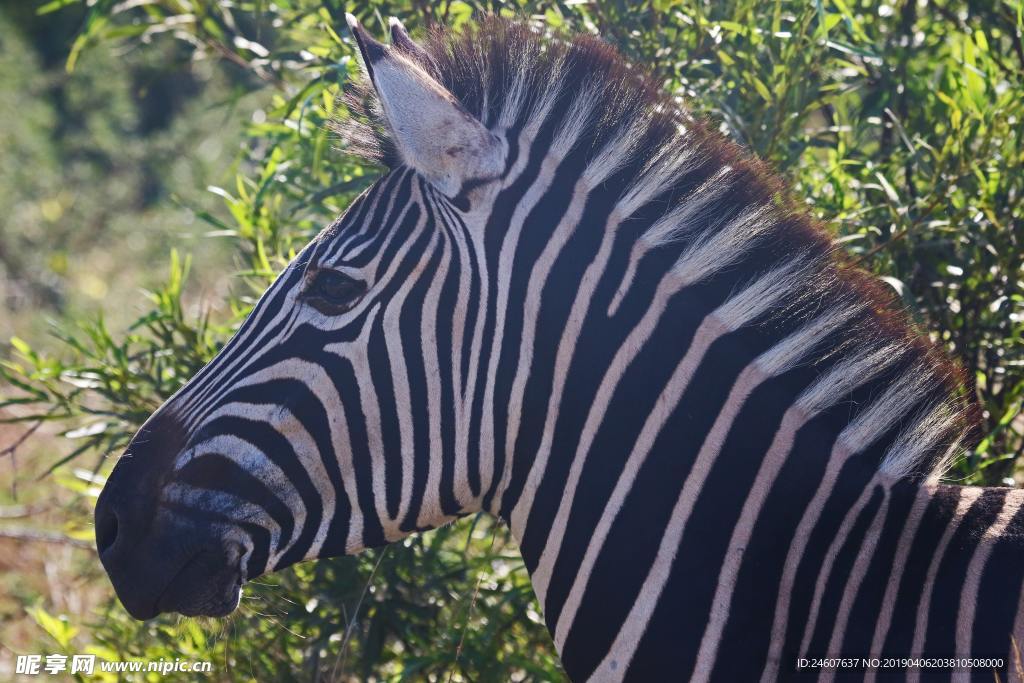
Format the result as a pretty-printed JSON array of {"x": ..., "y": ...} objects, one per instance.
[{"x": 159, "y": 561}]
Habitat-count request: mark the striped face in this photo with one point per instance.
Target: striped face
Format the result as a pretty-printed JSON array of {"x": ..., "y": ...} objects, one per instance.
[
  {"x": 322, "y": 417},
  {"x": 330, "y": 422},
  {"x": 327, "y": 425}
]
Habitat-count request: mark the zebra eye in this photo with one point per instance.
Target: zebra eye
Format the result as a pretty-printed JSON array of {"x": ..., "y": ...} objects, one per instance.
[{"x": 331, "y": 292}]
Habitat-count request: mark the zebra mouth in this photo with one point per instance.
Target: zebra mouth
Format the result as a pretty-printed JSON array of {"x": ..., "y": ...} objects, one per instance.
[{"x": 209, "y": 584}]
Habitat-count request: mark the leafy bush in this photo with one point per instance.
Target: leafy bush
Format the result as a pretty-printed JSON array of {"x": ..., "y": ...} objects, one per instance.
[{"x": 900, "y": 125}]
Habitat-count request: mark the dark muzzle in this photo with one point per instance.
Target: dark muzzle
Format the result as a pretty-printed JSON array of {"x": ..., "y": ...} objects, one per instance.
[{"x": 160, "y": 559}]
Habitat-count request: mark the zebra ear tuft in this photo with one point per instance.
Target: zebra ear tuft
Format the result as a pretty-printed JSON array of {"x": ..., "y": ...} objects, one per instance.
[
  {"x": 433, "y": 132},
  {"x": 401, "y": 40},
  {"x": 371, "y": 50}
]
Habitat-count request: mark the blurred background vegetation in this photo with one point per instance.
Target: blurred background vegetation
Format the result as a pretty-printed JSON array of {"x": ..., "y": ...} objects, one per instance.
[{"x": 140, "y": 138}]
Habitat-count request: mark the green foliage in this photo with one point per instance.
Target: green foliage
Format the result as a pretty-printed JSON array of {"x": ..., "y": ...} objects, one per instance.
[
  {"x": 899, "y": 124},
  {"x": 451, "y": 602},
  {"x": 104, "y": 169}
]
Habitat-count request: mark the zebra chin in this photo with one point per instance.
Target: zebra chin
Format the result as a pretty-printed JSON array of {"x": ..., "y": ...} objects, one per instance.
[
  {"x": 202, "y": 582},
  {"x": 157, "y": 558}
]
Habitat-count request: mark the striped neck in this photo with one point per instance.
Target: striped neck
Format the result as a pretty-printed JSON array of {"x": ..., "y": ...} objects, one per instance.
[
  {"x": 667, "y": 561},
  {"x": 630, "y": 472},
  {"x": 677, "y": 371}
]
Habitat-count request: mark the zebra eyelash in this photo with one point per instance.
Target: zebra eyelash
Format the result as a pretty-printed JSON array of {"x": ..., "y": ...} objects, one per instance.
[{"x": 331, "y": 291}]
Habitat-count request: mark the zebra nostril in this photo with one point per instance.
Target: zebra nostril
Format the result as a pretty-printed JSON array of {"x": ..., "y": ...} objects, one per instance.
[{"x": 106, "y": 528}]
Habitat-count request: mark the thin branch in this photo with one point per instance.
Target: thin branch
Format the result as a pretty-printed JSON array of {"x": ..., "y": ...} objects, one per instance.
[
  {"x": 12, "y": 450},
  {"x": 465, "y": 627},
  {"x": 45, "y": 537},
  {"x": 20, "y": 511},
  {"x": 472, "y": 602},
  {"x": 351, "y": 627},
  {"x": 236, "y": 59},
  {"x": 863, "y": 258}
]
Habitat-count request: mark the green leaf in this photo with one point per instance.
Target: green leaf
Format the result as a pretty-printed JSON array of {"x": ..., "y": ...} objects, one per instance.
[
  {"x": 54, "y": 5},
  {"x": 57, "y": 628},
  {"x": 22, "y": 346},
  {"x": 762, "y": 89}
]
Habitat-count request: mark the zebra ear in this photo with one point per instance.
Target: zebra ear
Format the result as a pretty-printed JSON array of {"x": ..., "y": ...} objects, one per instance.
[{"x": 434, "y": 134}]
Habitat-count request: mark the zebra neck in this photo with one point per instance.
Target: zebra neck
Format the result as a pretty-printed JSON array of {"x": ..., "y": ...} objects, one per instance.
[
  {"x": 729, "y": 501},
  {"x": 866, "y": 566}
]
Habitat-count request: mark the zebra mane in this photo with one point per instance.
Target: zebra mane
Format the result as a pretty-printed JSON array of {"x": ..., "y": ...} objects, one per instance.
[{"x": 514, "y": 76}]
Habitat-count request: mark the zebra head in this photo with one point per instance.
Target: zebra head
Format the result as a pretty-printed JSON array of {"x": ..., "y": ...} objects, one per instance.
[{"x": 332, "y": 421}]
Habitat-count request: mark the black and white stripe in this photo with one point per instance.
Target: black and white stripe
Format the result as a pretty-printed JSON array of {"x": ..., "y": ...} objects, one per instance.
[{"x": 717, "y": 445}]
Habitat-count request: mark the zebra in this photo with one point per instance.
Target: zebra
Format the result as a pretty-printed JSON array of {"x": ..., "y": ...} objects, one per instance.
[{"x": 572, "y": 304}]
